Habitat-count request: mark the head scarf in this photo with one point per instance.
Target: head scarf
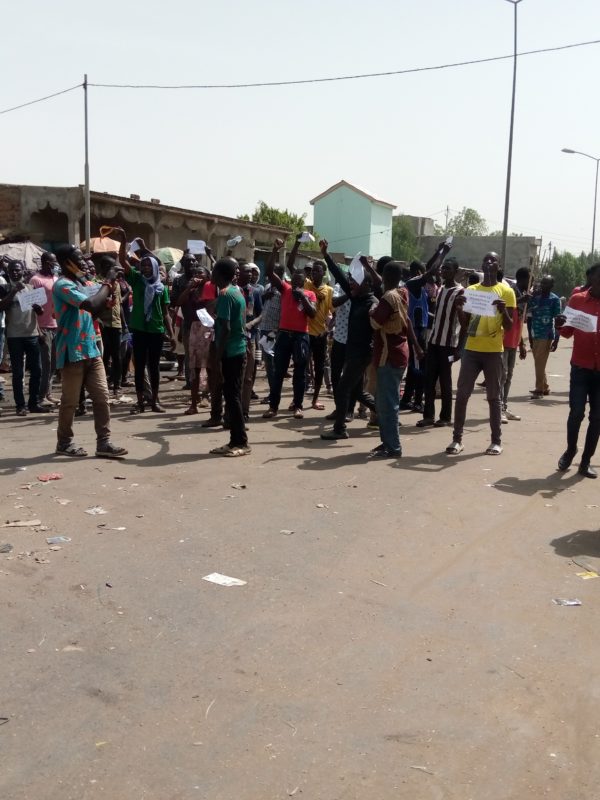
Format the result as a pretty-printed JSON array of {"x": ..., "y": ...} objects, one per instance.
[{"x": 153, "y": 287}]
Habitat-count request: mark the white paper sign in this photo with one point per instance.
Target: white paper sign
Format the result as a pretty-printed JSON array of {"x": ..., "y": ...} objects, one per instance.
[
  {"x": 205, "y": 318},
  {"x": 34, "y": 297},
  {"x": 134, "y": 247},
  {"x": 306, "y": 237},
  {"x": 587, "y": 323},
  {"x": 234, "y": 241},
  {"x": 197, "y": 247},
  {"x": 480, "y": 303},
  {"x": 91, "y": 289},
  {"x": 267, "y": 345},
  {"x": 357, "y": 271},
  {"x": 223, "y": 580}
]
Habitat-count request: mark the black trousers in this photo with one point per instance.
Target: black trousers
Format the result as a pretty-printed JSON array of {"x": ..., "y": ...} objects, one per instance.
[
  {"x": 584, "y": 388},
  {"x": 437, "y": 367},
  {"x": 147, "y": 348},
  {"x": 350, "y": 386},
  {"x": 111, "y": 339},
  {"x": 338, "y": 356},
  {"x": 233, "y": 379},
  {"x": 318, "y": 349},
  {"x": 415, "y": 374}
]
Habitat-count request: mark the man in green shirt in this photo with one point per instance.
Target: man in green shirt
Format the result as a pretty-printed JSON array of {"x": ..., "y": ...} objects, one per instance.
[{"x": 230, "y": 342}]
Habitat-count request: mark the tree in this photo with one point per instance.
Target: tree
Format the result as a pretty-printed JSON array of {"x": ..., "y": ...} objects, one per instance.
[
  {"x": 567, "y": 270},
  {"x": 405, "y": 246},
  {"x": 268, "y": 215},
  {"x": 467, "y": 222}
]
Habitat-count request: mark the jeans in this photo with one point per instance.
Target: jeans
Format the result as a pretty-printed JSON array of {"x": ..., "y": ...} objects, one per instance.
[
  {"x": 111, "y": 338},
  {"x": 91, "y": 375},
  {"x": 387, "y": 399},
  {"x": 25, "y": 350},
  {"x": 48, "y": 360},
  {"x": 509, "y": 357},
  {"x": 350, "y": 386},
  {"x": 288, "y": 344},
  {"x": 471, "y": 365},
  {"x": 233, "y": 377},
  {"x": 437, "y": 367},
  {"x": 584, "y": 387},
  {"x": 269, "y": 361},
  {"x": 541, "y": 350},
  {"x": 1, "y": 357},
  {"x": 248, "y": 382},
  {"x": 318, "y": 349},
  {"x": 147, "y": 348}
]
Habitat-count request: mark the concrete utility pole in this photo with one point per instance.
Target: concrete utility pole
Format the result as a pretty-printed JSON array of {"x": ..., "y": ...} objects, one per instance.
[
  {"x": 510, "y": 140},
  {"x": 87, "y": 214}
]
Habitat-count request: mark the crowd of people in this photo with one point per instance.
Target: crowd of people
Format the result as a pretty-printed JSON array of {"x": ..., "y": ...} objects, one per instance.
[{"x": 382, "y": 336}]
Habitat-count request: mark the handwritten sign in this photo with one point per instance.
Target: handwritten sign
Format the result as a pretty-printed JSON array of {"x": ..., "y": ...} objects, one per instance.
[
  {"x": 33, "y": 297},
  {"x": 91, "y": 289},
  {"x": 306, "y": 237},
  {"x": 197, "y": 247},
  {"x": 480, "y": 303},
  {"x": 587, "y": 323}
]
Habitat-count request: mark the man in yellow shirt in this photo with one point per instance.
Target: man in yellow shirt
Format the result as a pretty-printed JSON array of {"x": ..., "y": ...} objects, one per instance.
[
  {"x": 483, "y": 353},
  {"x": 317, "y": 326}
]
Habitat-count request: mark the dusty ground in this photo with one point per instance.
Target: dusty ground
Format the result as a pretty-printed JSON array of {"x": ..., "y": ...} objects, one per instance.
[{"x": 401, "y": 643}]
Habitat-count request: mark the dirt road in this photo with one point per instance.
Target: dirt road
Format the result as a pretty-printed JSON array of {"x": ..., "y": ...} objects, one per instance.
[{"x": 400, "y": 643}]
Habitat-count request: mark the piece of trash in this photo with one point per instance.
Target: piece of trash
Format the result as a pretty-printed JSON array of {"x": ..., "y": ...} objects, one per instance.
[
  {"x": 223, "y": 580},
  {"x": 592, "y": 505},
  {"x": 120, "y": 528},
  {"x": 58, "y": 539},
  {"x": 229, "y": 497},
  {"x": 21, "y": 469},
  {"x": 379, "y": 583},
  {"x": 564, "y": 601},
  {"x": 238, "y": 485},
  {"x": 62, "y": 501},
  {"x": 72, "y": 648},
  {"x": 421, "y": 769},
  {"x": 50, "y": 476},
  {"x": 23, "y": 523},
  {"x": 6, "y": 548},
  {"x": 40, "y": 560},
  {"x": 286, "y": 532},
  {"x": 55, "y": 547},
  {"x": 101, "y": 744},
  {"x": 293, "y": 792},
  {"x": 119, "y": 477},
  {"x": 322, "y": 505},
  {"x": 3, "y": 720},
  {"x": 587, "y": 575},
  {"x": 109, "y": 585},
  {"x": 139, "y": 516},
  {"x": 209, "y": 708},
  {"x": 196, "y": 744},
  {"x": 548, "y": 505},
  {"x": 96, "y": 510}
]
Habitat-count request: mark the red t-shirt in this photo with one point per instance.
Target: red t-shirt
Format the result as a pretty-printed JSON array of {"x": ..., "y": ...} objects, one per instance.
[
  {"x": 293, "y": 316},
  {"x": 209, "y": 291},
  {"x": 513, "y": 336}
]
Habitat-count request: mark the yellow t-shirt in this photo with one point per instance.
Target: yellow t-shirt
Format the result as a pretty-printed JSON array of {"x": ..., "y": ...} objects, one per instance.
[
  {"x": 317, "y": 325},
  {"x": 486, "y": 334}
]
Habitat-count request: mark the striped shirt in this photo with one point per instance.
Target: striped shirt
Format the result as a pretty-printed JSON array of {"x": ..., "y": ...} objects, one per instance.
[
  {"x": 444, "y": 332},
  {"x": 271, "y": 311}
]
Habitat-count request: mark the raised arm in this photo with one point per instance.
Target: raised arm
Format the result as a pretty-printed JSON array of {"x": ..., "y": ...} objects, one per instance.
[
  {"x": 272, "y": 276},
  {"x": 333, "y": 268},
  {"x": 291, "y": 259},
  {"x": 375, "y": 276}
]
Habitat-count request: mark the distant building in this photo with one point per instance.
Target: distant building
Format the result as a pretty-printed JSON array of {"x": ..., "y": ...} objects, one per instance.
[
  {"x": 353, "y": 221},
  {"x": 422, "y": 226},
  {"x": 52, "y": 215},
  {"x": 521, "y": 251}
]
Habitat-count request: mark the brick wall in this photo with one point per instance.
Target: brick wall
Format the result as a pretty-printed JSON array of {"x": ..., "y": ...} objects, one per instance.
[{"x": 10, "y": 209}]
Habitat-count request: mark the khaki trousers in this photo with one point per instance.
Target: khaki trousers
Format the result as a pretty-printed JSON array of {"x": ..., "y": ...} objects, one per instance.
[
  {"x": 89, "y": 373},
  {"x": 541, "y": 350}
]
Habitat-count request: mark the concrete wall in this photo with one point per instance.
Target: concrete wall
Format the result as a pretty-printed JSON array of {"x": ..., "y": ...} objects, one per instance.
[
  {"x": 381, "y": 231},
  {"x": 521, "y": 251},
  {"x": 343, "y": 217}
]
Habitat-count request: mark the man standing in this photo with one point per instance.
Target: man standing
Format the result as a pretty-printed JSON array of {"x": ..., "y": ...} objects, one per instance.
[
  {"x": 585, "y": 377},
  {"x": 318, "y": 327},
  {"x": 78, "y": 356},
  {"x": 22, "y": 338},
  {"x": 418, "y": 311},
  {"x": 269, "y": 326},
  {"x": 45, "y": 279},
  {"x": 253, "y": 299},
  {"x": 544, "y": 307},
  {"x": 297, "y": 307},
  {"x": 443, "y": 349},
  {"x": 483, "y": 352},
  {"x": 111, "y": 320},
  {"x": 189, "y": 265},
  {"x": 513, "y": 339},
  {"x": 231, "y": 347}
]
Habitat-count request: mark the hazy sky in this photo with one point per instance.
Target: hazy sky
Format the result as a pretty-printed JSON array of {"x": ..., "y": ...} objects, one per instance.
[{"x": 420, "y": 141}]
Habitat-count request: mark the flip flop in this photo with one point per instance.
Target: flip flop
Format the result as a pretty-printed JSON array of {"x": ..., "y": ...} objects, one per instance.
[
  {"x": 318, "y": 406},
  {"x": 220, "y": 451},
  {"x": 494, "y": 450},
  {"x": 236, "y": 452},
  {"x": 71, "y": 450}
]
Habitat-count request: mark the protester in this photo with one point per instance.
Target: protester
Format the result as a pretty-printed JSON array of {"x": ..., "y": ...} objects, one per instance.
[
  {"x": 22, "y": 338},
  {"x": 189, "y": 266},
  {"x": 150, "y": 321},
  {"x": 200, "y": 337},
  {"x": 418, "y": 310},
  {"x": 2, "y": 329},
  {"x": 318, "y": 327},
  {"x": 110, "y": 318},
  {"x": 253, "y": 299},
  {"x": 483, "y": 352},
  {"x": 45, "y": 279},
  {"x": 392, "y": 326},
  {"x": 231, "y": 353},
  {"x": 543, "y": 309},
  {"x": 269, "y": 326},
  {"x": 78, "y": 356},
  {"x": 298, "y": 305},
  {"x": 513, "y": 339},
  {"x": 444, "y": 348},
  {"x": 585, "y": 376}
]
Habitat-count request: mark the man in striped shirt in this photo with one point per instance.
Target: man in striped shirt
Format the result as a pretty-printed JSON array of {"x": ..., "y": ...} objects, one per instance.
[{"x": 443, "y": 349}]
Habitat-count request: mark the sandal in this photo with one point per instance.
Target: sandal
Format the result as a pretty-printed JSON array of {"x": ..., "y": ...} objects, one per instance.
[
  {"x": 191, "y": 410},
  {"x": 220, "y": 451},
  {"x": 235, "y": 452},
  {"x": 298, "y": 413},
  {"x": 21, "y": 412},
  {"x": 71, "y": 450},
  {"x": 318, "y": 406},
  {"x": 270, "y": 414},
  {"x": 110, "y": 450},
  {"x": 455, "y": 448},
  {"x": 494, "y": 450}
]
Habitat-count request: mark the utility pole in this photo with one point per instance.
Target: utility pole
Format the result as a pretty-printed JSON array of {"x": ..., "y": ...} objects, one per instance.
[
  {"x": 447, "y": 217},
  {"x": 87, "y": 213}
]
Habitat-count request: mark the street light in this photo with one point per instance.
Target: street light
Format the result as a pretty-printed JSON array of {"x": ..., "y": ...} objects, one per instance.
[
  {"x": 597, "y": 160},
  {"x": 515, "y": 3}
]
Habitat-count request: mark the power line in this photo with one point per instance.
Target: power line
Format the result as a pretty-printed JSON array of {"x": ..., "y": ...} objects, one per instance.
[
  {"x": 340, "y": 77},
  {"x": 41, "y": 99}
]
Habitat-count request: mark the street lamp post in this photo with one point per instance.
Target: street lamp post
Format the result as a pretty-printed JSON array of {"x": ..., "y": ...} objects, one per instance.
[
  {"x": 515, "y": 3},
  {"x": 597, "y": 160}
]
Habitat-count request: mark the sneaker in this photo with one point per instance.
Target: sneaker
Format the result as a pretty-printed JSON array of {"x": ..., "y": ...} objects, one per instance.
[
  {"x": 333, "y": 435},
  {"x": 382, "y": 452},
  {"x": 512, "y": 417},
  {"x": 212, "y": 423},
  {"x": 425, "y": 423},
  {"x": 504, "y": 419}
]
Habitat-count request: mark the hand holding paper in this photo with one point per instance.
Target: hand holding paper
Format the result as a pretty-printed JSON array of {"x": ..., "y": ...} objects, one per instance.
[
  {"x": 197, "y": 247},
  {"x": 588, "y": 323},
  {"x": 36, "y": 297},
  {"x": 480, "y": 303}
]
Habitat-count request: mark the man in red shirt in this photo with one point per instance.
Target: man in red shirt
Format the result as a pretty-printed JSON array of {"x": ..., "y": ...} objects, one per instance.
[
  {"x": 585, "y": 376},
  {"x": 297, "y": 306}
]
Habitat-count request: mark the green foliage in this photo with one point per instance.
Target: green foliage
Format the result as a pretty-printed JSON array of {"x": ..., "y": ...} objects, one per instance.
[
  {"x": 267, "y": 215},
  {"x": 467, "y": 222},
  {"x": 568, "y": 271},
  {"x": 405, "y": 246}
]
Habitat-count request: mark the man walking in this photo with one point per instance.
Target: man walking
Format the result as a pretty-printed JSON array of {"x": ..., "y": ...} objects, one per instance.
[
  {"x": 585, "y": 377},
  {"x": 513, "y": 340},
  {"x": 483, "y": 352},
  {"x": 544, "y": 307},
  {"x": 45, "y": 279}
]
